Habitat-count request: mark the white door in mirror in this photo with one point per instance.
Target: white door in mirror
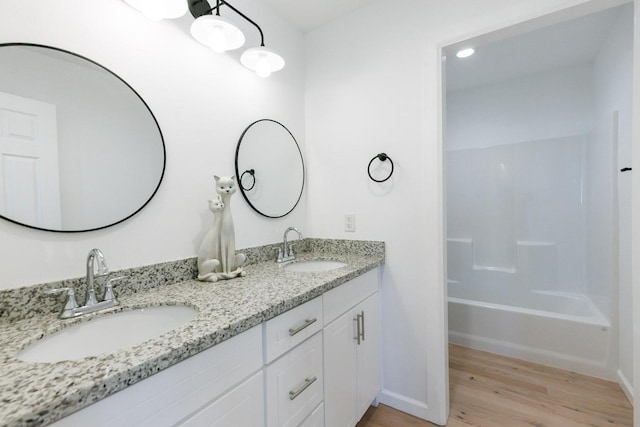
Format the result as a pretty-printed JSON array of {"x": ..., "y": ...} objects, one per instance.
[{"x": 29, "y": 170}]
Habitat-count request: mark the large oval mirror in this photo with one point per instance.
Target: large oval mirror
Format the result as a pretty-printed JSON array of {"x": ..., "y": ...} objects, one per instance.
[
  {"x": 269, "y": 168},
  {"x": 80, "y": 150}
]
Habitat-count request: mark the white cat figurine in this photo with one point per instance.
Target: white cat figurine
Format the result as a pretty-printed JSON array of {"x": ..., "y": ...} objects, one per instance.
[
  {"x": 229, "y": 260},
  {"x": 209, "y": 254},
  {"x": 217, "y": 258}
]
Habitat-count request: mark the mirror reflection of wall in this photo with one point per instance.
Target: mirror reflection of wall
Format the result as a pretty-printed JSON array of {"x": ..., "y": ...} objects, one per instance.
[
  {"x": 270, "y": 150},
  {"x": 110, "y": 154}
]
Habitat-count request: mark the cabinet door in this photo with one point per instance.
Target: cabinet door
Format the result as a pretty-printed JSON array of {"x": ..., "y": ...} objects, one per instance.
[
  {"x": 368, "y": 353},
  {"x": 340, "y": 379},
  {"x": 243, "y": 406}
]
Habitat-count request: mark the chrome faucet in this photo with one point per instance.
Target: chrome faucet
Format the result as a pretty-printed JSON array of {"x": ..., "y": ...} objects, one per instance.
[
  {"x": 97, "y": 256},
  {"x": 285, "y": 253},
  {"x": 71, "y": 308}
]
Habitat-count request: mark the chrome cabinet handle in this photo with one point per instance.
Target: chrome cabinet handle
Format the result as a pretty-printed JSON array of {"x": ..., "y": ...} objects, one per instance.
[
  {"x": 307, "y": 382},
  {"x": 362, "y": 319},
  {"x": 358, "y": 330},
  {"x": 307, "y": 323}
]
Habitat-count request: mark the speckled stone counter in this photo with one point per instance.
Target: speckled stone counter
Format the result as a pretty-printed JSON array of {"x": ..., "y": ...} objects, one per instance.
[{"x": 35, "y": 394}]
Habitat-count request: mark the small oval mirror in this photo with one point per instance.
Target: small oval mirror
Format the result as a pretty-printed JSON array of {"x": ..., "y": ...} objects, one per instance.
[
  {"x": 269, "y": 168},
  {"x": 80, "y": 148}
]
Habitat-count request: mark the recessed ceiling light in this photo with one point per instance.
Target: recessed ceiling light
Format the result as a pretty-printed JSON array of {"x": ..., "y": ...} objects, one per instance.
[{"x": 464, "y": 53}]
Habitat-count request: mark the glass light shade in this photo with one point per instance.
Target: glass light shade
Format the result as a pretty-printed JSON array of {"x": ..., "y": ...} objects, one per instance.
[
  {"x": 217, "y": 33},
  {"x": 262, "y": 60},
  {"x": 217, "y": 40},
  {"x": 263, "y": 68},
  {"x": 159, "y": 9}
]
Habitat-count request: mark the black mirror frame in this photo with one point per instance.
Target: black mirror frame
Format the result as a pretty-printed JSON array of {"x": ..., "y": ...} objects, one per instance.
[
  {"x": 238, "y": 172},
  {"x": 164, "y": 150}
]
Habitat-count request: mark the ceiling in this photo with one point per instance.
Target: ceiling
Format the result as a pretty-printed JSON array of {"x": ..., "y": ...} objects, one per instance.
[
  {"x": 498, "y": 57},
  {"x": 566, "y": 44},
  {"x": 309, "y": 14}
]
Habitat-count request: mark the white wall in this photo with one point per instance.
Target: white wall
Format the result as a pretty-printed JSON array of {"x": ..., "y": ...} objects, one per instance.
[
  {"x": 558, "y": 103},
  {"x": 202, "y": 102},
  {"x": 613, "y": 72},
  {"x": 372, "y": 85}
]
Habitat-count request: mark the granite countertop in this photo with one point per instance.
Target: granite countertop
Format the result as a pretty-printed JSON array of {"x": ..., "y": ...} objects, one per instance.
[{"x": 34, "y": 394}]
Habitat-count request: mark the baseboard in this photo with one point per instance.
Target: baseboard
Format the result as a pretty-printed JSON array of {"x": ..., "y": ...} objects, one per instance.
[
  {"x": 626, "y": 386},
  {"x": 404, "y": 404}
]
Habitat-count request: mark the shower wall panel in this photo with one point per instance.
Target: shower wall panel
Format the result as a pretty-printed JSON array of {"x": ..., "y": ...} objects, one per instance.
[{"x": 507, "y": 207}]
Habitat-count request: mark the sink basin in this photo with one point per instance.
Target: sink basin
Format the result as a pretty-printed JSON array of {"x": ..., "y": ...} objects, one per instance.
[
  {"x": 107, "y": 334},
  {"x": 314, "y": 266}
]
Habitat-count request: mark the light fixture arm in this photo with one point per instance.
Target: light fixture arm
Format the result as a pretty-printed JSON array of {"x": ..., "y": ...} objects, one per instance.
[{"x": 202, "y": 7}]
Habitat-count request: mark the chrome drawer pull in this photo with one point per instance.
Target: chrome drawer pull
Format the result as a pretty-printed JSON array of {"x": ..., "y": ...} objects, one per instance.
[
  {"x": 358, "y": 331},
  {"x": 307, "y": 382},
  {"x": 362, "y": 318},
  {"x": 307, "y": 322}
]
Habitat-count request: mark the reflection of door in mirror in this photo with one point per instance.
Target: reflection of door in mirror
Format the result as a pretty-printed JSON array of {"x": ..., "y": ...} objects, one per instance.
[{"x": 30, "y": 192}]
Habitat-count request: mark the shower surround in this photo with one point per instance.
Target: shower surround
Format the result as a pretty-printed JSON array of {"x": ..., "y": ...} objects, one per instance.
[{"x": 518, "y": 254}]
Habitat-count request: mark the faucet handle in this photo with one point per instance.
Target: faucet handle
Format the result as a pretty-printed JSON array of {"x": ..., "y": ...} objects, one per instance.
[
  {"x": 280, "y": 255},
  {"x": 71, "y": 302},
  {"x": 108, "y": 288}
]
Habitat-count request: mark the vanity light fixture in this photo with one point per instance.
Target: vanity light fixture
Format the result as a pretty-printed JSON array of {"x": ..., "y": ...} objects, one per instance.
[
  {"x": 465, "y": 53},
  {"x": 221, "y": 35},
  {"x": 213, "y": 31}
]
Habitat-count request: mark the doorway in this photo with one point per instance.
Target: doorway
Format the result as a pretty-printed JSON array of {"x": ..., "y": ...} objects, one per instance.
[{"x": 538, "y": 128}]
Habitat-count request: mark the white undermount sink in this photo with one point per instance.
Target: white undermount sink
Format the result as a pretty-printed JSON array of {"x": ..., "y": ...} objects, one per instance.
[
  {"x": 107, "y": 334},
  {"x": 314, "y": 266}
]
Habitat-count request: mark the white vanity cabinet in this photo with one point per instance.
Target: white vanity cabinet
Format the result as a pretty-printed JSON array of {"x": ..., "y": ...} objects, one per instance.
[
  {"x": 315, "y": 365},
  {"x": 351, "y": 349}
]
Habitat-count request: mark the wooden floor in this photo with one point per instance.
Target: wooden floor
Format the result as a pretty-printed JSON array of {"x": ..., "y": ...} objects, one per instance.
[{"x": 495, "y": 391}]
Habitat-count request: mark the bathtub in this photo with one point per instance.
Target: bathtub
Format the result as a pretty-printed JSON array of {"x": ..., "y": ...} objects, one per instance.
[{"x": 556, "y": 329}]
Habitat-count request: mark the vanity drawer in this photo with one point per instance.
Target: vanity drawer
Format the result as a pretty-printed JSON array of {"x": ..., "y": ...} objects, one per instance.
[
  {"x": 294, "y": 384},
  {"x": 284, "y": 332},
  {"x": 343, "y": 298}
]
